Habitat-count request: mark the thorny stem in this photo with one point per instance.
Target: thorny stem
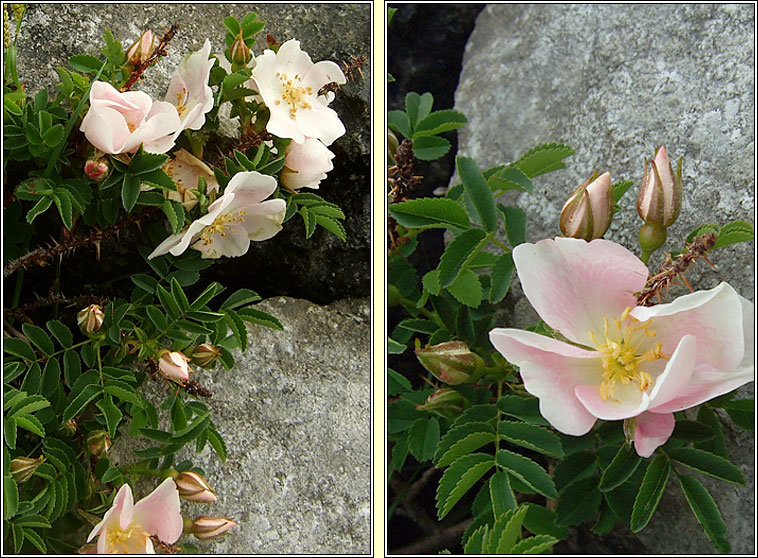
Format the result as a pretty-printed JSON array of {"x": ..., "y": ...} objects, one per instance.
[
  {"x": 82, "y": 300},
  {"x": 159, "y": 51},
  {"x": 40, "y": 256}
]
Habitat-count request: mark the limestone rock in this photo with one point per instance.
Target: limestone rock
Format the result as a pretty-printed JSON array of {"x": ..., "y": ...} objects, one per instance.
[
  {"x": 295, "y": 415},
  {"x": 614, "y": 82}
]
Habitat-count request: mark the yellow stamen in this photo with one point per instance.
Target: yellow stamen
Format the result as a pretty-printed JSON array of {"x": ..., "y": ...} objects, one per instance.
[{"x": 294, "y": 94}]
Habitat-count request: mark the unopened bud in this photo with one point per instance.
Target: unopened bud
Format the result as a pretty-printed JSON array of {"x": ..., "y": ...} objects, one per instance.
[
  {"x": 392, "y": 145},
  {"x": 173, "y": 366},
  {"x": 194, "y": 488},
  {"x": 98, "y": 443},
  {"x": 588, "y": 212},
  {"x": 660, "y": 199},
  {"x": 205, "y": 355},
  {"x": 22, "y": 468},
  {"x": 67, "y": 428},
  {"x": 90, "y": 319},
  {"x": 141, "y": 49},
  {"x": 452, "y": 362},
  {"x": 206, "y": 528},
  {"x": 445, "y": 402},
  {"x": 97, "y": 169},
  {"x": 239, "y": 53}
]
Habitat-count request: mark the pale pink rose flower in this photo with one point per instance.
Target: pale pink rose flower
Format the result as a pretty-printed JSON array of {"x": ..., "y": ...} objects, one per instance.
[
  {"x": 289, "y": 82},
  {"x": 233, "y": 220},
  {"x": 173, "y": 365},
  {"x": 126, "y": 527},
  {"x": 120, "y": 122},
  {"x": 626, "y": 360},
  {"x": 306, "y": 164},
  {"x": 189, "y": 91},
  {"x": 185, "y": 170}
]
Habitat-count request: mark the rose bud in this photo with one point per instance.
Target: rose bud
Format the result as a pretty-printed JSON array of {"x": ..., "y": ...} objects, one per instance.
[
  {"x": 97, "y": 169},
  {"x": 445, "y": 402},
  {"x": 141, "y": 49},
  {"x": 173, "y": 366},
  {"x": 206, "y": 528},
  {"x": 22, "y": 468},
  {"x": 306, "y": 164},
  {"x": 659, "y": 201},
  {"x": 588, "y": 212},
  {"x": 239, "y": 53},
  {"x": 451, "y": 362},
  {"x": 90, "y": 319},
  {"x": 205, "y": 355},
  {"x": 98, "y": 443},
  {"x": 194, "y": 488}
]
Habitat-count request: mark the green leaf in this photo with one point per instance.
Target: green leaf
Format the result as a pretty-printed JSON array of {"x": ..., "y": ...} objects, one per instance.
[
  {"x": 32, "y": 424},
  {"x": 178, "y": 295},
  {"x": 579, "y": 502},
  {"x": 9, "y": 432},
  {"x": 734, "y": 232},
  {"x": 51, "y": 377},
  {"x": 432, "y": 212},
  {"x": 717, "y": 445},
  {"x": 515, "y": 224},
  {"x": 439, "y": 121},
  {"x": 175, "y": 219},
  {"x": 429, "y": 148},
  {"x": 458, "y": 253},
  {"x": 397, "y": 383},
  {"x": 231, "y": 23},
  {"x": 534, "y": 545},
  {"x": 65, "y": 209},
  {"x": 34, "y": 538},
  {"x": 524, "y": 408},
  {"x": 541, "y": 521},
  {"x": 85, "y": 63},
  {"x": 621, "y": 468},
  {"x": 78, "y": 403},
  {"x": 742, "y": 412},
  {"x": 240, "y": 298},
  {"x": 39, "y": 338},
  {"x": 40, "y": 207},
  {"x": 501, "y": 495},
  {"x": 111, "y": 413},
  {"x": 459, "y": 478},
  {"x": 261, "y": 318},
  {"x": 506, "y": 530},
  {"x": 543, "y": 159},
  {"x": 10, "y": 497},
  {"x": 216, "y": 442},
  {"x": 143, "y": 162},
  {"x": 475, "y": 542},
  {"x": 691, "y": 431},
  {"x": 620, "y": 188},
  {"x": 159, "y": 179},
  {"x": 19, "y": 348},
  {"x": 53, "y": 136},
  {"x": 130, "y": 191},
  {"x": 395, "y": 348},
  {"x": 32, "y": 380},
  {"x": 528, "y": 472},
  {"x": 168, "y": 302},
  {"x": 235, "y": 323},
  {"x": 72, "y": 367},
  {"x": 123, "y": 391},
  {"x": 423, "y": 438},
  {"x": 144, "y": 282},
  {"x": 650, "y": 492},
  {"x": 462, "y": 440},
  {"x": 575, "y": 467},
  {"x": 467, "y": 289},
  {"x": 431, "y": 282},
  {"x": 418, "y": 106},
  {"x": 478, "y": 191},
  {"x": 706, "y": 512},
  {"x": 502, "y": 273},
  {"x": 708, "y": 463},
  {"x": 510, "y": 178},
  {"x": 61, "y": 333},
  {"x": 532, "y": 437},
  {"x": 397, "y": 120}
]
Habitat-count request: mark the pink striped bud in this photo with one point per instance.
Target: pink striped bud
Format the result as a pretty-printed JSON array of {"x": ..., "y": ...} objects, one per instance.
[
  {"x": 588, "y": 212},
  {"x": 660, "y": 199},
  {"x": 206, "y": 528},
  {"x": 194, "y": 488}
]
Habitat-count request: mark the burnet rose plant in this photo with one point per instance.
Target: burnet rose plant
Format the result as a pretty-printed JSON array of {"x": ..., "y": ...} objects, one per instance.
[
  {"x": 584, "y": 416},
  {"x": 87, "y": 163}
]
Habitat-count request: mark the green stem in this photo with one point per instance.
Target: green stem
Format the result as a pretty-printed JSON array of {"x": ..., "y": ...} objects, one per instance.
[
  {"x": 497, "y": 420},
  {"x": 501, "y": 245}
]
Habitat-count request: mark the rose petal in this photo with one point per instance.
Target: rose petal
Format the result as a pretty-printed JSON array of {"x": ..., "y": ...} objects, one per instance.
[
  {"x": 573, "y": 285},
  {"x": 322, "y": 73},
  {"x": 158, "y": 513},
  {"x": 320, "y": 122},
  {"x": 120, "y": 513},
  {"x": 627, "y": 401},
  {"x": 550, "y": 370},
  {"x": 652, "y": 430},
  {"x": 292, "y": 60},
  {"x": 106, "y": 129},
  {"x": 677, "y": 373},
  {"x": 714, "y": 317}
]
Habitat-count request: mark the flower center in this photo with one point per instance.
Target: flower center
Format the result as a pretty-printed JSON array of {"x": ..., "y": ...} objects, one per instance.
[
  {"x": 130, "y": 541},
  {"x": 293, "y": 93},
  {"x": 624, "y": 352},
  {"x": 181, "y": 101},
  {"x": 221, "y": 224}
]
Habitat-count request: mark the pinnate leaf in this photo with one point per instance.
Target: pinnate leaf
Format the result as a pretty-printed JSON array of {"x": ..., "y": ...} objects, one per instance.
[{"x": 459, "y": 478}]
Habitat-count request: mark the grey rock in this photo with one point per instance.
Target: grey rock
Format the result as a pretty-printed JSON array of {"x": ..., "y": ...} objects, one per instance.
[
  {"x": 614, "y": 82},
  {"x": 294, "y": 413},
  {"x": 321, "y": 268}
]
